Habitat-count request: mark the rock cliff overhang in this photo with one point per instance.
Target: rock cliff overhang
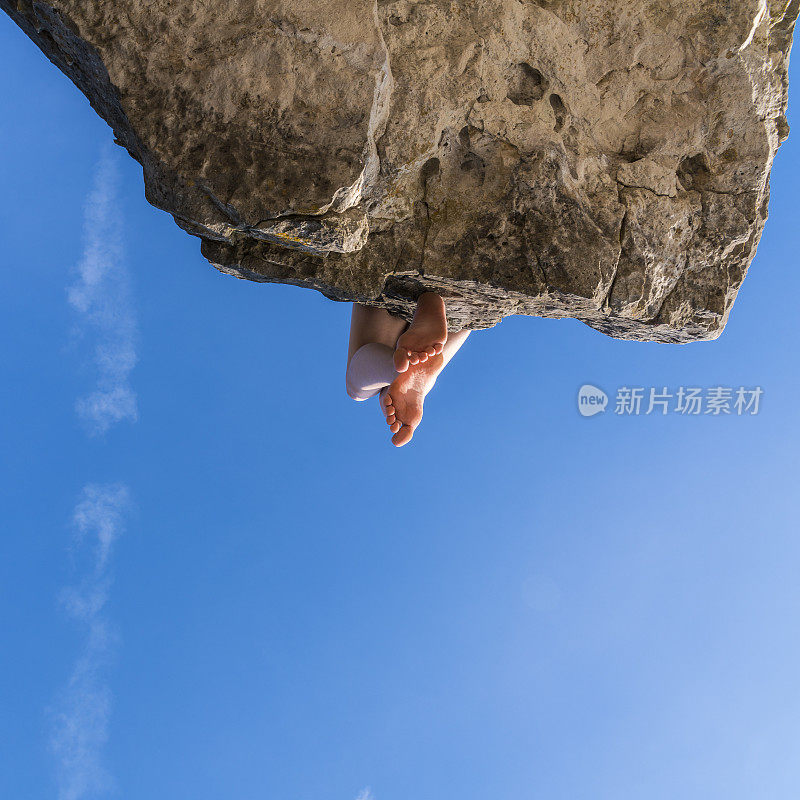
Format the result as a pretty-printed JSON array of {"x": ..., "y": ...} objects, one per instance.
[{"x": 565, "y": 158}]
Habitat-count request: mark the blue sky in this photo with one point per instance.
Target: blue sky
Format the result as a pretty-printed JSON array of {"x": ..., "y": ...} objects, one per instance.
[{"x": 239, "y": 589}]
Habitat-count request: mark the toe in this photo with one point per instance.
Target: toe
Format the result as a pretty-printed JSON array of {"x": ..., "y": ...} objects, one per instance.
[
  {"x": 403, "y": 436},
  {"x": 395, "y": 426},
  {"x": 414, "y": 358},
  {"x": 388, "y": 408},
  {"x": 401, "y": 360}
]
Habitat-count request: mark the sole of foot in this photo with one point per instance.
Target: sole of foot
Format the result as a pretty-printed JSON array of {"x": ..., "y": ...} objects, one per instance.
[
  {"x": 402, "y": 401},
  {"x": 426, "y": 335}
]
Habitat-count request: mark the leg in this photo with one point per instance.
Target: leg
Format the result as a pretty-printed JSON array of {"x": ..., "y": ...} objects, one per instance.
[
  {"x": 402, "y": 401},
  {"x": 373, "y": 335},
  {"x": 369, "y": 370},
  {"x": 453, "y": 345},
  {"x": 369, "y": 324}
]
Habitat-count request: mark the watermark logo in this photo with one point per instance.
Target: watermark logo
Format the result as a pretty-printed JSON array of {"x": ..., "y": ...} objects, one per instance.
[
  {"x": 688, "y": 401},
  {"x": 591, "y": 400}
]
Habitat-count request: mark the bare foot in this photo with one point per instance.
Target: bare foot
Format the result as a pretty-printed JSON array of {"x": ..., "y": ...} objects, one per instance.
[
  {"x": 425, "y": 336},
  {"x": 402, "y": 401}
]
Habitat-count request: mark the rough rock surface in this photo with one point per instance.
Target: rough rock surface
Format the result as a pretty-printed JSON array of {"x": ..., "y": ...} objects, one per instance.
[{"x": 600, "y": 159}]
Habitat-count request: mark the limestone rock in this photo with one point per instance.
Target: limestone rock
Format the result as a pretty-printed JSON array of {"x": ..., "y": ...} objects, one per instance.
[{"x": 605, "y": 160}]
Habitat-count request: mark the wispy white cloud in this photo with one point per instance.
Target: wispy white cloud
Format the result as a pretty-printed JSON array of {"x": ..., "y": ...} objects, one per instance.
[
  {"x": 365, "y": 794},
  {"x": 101, "y": 295},
  {"x": 80, "y": 718}
]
